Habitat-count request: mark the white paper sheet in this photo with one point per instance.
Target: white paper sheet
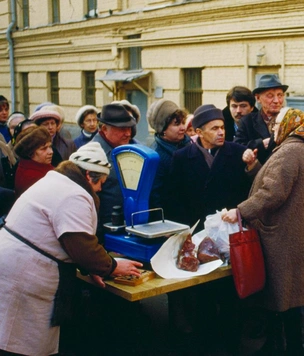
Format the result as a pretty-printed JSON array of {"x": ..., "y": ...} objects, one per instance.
[{"x": 164, "y": 261}]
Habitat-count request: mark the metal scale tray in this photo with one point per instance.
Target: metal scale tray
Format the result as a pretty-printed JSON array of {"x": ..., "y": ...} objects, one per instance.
[{"x": 162, "y": 228}]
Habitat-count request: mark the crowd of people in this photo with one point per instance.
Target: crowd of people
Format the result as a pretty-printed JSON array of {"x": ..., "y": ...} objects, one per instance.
[{"x": 59, "y": 193}]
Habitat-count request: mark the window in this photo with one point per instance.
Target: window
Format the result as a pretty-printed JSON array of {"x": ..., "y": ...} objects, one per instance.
[
  {"x": 92, "y": 8},
  {"x": 135, "y": 58},
  {"x": 25, "y": 94},
  {"x": 134, "y": 54},
  {"x": 89, "y": 84},
  {"x": 55, "y": 11},
  {"x": 192, "y": 88},
  {"x": 25, "y": 13},
  {"x": 54, "y": 85}
]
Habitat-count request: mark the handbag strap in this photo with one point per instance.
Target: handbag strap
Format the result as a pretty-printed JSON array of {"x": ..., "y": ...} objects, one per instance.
[
  {"x": 27, "y": 242},
  {"x": 239, "y": 220}
]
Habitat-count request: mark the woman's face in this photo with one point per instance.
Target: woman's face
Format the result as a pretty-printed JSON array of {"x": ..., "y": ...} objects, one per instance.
[
  {"x": 50, "y": 125},
  {"x": 175, "y": 132},
  {"x": 97, "y": 187},
  {"x": 90, "y": 123},
  {"x": 43, "y": 154},
  {"x": 4, "y": 110}
]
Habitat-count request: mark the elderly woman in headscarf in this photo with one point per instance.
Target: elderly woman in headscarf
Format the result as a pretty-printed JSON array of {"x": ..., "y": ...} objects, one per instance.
[
  {"x": 49, "y": 230},
  {"x": 275, "y": 208}
]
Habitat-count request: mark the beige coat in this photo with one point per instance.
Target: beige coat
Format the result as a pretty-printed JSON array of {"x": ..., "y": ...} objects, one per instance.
[{"x": 275, "y": 207}]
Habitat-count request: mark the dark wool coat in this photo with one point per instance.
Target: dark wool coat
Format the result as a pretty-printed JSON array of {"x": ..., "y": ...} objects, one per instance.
[
  {"x": 276, "y": 209},
  {"x": 64, "y": 146},
  {"x": 251, "y": 132},
  {"x": 197, "y": 191}
]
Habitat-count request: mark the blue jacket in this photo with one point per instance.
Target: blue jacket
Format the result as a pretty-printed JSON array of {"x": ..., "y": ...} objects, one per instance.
[
  {"x": 165, "y": 149},
  {"x": 83, "y": 139}
]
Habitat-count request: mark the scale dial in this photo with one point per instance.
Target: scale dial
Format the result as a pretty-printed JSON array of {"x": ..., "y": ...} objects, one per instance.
[{"x": 130, "y": 165}]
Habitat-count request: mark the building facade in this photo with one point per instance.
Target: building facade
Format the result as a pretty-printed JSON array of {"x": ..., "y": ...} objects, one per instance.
[{"x": 81, "y": 52}]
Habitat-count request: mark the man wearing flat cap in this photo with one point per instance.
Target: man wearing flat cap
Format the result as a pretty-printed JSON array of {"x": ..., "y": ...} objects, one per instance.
[
  {"x": 208, "y": 175},
  {"x": 116, "y": 129},
  {"x": 255, "y": 129}
]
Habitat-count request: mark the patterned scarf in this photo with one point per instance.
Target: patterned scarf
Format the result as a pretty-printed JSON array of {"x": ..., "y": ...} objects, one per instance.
[{"x": 292, "y": 124}]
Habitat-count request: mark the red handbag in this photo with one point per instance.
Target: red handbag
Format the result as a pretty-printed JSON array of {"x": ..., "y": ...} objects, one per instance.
[{"x": 247, "y": 261}]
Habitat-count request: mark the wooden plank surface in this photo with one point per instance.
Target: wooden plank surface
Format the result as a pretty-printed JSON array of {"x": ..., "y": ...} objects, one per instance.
[{"x": 158, "y": 285}]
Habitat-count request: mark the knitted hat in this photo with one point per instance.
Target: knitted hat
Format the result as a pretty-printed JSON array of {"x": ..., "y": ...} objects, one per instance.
[
  {"x": 91, "y": 157},
  {"x": 116, "y": 115},
  {"x": 41, "y": 115},
  {"x": 133, "y": 108},
  {"x": 30, "y": 139},
  {"x": 82, "y": 113},
  {"x": 159, "y": 114},
  {"x": 269, "y": 81},
  {"x": 206, "y": 113}
]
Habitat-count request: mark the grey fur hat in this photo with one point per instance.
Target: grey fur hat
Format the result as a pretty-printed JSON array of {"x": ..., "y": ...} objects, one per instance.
[{"x": 159, "y": 113}]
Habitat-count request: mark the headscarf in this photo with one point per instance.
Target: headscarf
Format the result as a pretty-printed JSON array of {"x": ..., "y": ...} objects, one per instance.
[{"x": 291, "y": 124}]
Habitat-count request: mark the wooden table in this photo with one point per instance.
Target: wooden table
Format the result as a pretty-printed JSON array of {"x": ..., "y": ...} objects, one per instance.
[{"x": 159, "y": 285}]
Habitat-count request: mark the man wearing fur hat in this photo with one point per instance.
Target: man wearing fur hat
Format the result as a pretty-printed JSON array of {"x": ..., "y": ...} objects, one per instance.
[
  {"x": 116, "y": 129},
  {"x": 86, "y": 118},
  {"x": 255, "y": 129},
  {"x": 208, "y": 175}
]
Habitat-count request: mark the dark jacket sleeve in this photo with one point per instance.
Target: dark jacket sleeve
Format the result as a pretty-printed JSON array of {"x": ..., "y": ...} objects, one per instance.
[{"x": 85, "y": 251}]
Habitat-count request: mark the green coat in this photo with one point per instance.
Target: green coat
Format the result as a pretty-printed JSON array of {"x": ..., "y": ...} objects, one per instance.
[{"x": 275, "y": 207}]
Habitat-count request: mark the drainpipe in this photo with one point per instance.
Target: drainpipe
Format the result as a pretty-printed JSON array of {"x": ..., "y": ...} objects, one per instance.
[{"x": 11, "y": 53}]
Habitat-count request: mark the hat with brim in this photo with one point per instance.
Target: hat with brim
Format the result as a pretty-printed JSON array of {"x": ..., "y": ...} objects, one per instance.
[
  {"x": 116, "y": 115},
  {"x": 206, "y": 113},
  {"x": 42, "y": 115},
  {"x": 269, "y": 81}
]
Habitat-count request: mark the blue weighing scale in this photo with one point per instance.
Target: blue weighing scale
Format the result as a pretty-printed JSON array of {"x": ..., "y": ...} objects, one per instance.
[{"x": 135, "y": 166}]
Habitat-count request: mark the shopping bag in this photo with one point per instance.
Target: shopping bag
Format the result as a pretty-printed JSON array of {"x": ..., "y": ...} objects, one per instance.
[{"x": 247, "y": 261}]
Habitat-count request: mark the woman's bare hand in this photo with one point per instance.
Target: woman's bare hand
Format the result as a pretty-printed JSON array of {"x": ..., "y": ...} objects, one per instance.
[
  {"x": 127, "y": 267},
  {"x": 230, "y": 216}
]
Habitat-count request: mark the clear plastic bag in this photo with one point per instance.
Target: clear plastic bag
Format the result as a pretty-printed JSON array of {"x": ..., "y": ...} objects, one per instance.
[{"x": 219, "y": 231}]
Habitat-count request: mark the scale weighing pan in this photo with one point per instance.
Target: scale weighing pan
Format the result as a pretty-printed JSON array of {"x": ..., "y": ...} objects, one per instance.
[{"x": 155, "y": 229}]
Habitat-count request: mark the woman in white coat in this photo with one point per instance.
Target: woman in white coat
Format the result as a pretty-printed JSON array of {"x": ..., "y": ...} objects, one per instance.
[{"x": 49, "y": 230}]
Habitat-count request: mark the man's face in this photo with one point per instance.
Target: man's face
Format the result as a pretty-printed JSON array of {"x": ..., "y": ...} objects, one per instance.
[
  {"x": 238, "y": 109},
  {"x": 117, "y": 136},
  {"x": 212, "y": 134},
  {"x": 271, "y": 100}
]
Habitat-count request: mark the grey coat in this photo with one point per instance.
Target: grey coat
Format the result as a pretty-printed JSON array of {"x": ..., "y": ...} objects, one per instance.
[{"x": 275, "y": 207}]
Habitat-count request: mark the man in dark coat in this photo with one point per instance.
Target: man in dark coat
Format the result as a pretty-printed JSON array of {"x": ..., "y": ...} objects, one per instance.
[
  {"x": 208, "y": 175},
  {"x": 116, "y": 129},
  {"x": 255, "y": 129},
  {"x": 240, "y": 102}
]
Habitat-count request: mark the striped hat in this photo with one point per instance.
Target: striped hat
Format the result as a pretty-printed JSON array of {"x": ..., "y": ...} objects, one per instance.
[{"x": 91, "y": 157}]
